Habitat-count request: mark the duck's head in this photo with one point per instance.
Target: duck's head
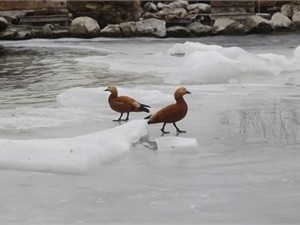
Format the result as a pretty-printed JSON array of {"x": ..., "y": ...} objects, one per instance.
[
  {"x": 112, "y": 89},
  {"x": 181, "y": 91}
]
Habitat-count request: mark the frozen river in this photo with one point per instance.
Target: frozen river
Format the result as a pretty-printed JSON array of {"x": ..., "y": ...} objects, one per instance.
[{"x": 63, "y": 160}]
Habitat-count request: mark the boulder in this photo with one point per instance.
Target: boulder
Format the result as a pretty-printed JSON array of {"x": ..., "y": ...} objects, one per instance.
[
  {"x": 84, "y": 27},
  {"x": 296, "y": 20},
  {"x": 150, "y": 7},
  {"x": 161, "y": 6},
  {"x": 177, "y": 31},
  {"x": 226, "y": 26},
  {"x": 151, "y": 27},
  {"x": 48, "y": 30},
  {"x": 22, "y": 35},
  {"x": 8, "y": 34},
  {"x": 290, "y": 9},
  {"x": 280, "y": 21},
  {"x": 197, "y": 29},
  {"x": 128, "y": 29},
  {"x": 258, "y": 25},
  {"x": 199, "y": 8},
  {"x": 112, "y": 30},
  {"x": 171, "y": 13},
  {"x": 3, "y": 24},
  {"x": 106, "y": 12},
  {"x": 178, "y": 4}
]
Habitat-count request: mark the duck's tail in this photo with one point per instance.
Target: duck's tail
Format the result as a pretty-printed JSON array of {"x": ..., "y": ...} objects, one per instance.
[{"x": 144, "y": 108}]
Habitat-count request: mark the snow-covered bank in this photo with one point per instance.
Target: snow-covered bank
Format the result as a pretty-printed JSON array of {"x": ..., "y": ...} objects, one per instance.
[{"x": 70, "y": 155}]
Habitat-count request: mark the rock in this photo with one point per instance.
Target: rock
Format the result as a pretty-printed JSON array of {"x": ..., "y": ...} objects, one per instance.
[
  {"x": 48, "y": 30},
  {"x": 151, "y": 27},
  {"x": 3, "y": 24},
  {"x": 258, "y": 25},
  {"x": 226, "y": 26},
  {"x": 161, "y": 6},
  {"x": 106, "y": 12},
  {"x": 197, "y": 29},
  {"x": 296, "y": 20},
  {"x": 150, "y": 7},
  {"x": 128, "y": 29},
  {"x": 177, "y": 31},
  {"x": 178, "y": 4},
  {"x": 84, "y": 27},
  {"x": 8, "y": 34},
  {"x": 171, "y": 13},
  {"x": 112, "y": 30},
  {"x": 280, "y": 21},
  {"x": 290, "y": 9},
  {"x": 22, "y": 35},
  {"x": 61, "y": 33},
  {"x": 199, "y": 8}
]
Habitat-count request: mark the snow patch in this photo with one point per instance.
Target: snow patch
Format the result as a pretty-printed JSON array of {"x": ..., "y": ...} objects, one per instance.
[{"x": 70, "y": 155}]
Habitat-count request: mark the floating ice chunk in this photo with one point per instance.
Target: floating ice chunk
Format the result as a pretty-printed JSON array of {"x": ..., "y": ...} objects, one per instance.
[
  {"x": 278, "y": 62},
  {"x": 206, "y": 67},
  {"x": 190, "y": 47},
  {"x": 174, "y": 143},
  {"x": 70, "y": 155}
]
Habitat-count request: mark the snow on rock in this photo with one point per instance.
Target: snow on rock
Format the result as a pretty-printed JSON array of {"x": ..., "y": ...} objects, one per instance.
[
  {"x": 70, "y": 155},
  {"x": 174, "y": 143}
]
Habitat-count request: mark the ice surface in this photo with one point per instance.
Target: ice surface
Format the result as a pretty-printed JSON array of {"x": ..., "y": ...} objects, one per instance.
[
  {"x": 175, "y": 143},
  {"x": 238, "y": 163}
]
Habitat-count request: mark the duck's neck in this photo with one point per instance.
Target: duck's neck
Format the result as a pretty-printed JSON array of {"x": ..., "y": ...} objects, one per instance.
[
  {"x": 113, "y": 94},
  {"x": 180, "y": 100}
]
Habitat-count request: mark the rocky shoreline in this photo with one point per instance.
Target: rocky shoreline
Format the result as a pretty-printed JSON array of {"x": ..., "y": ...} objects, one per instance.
[{"x": 176, "y": 19}]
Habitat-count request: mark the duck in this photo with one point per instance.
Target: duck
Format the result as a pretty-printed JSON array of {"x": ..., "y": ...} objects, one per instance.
[
  {"x": 124, "y": 104},
  {"x": 171, "y": 113}
]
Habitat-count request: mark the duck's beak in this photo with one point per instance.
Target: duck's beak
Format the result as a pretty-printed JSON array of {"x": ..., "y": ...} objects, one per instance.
[
  {"x": 188, "y": 92},
  {"x": 106, "y": 89}
]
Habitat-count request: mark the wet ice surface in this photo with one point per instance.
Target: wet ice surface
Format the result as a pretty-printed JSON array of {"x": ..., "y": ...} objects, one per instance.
[{"x": 237, "y": 163}]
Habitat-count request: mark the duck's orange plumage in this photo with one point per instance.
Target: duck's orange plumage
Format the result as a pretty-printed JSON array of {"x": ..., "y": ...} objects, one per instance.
[
  {"x": 124, "y": 104},
  {"x": 171, "y": 113}
]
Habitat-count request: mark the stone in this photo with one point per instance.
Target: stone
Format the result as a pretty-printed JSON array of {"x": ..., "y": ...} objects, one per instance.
[
  {"x": 290, "y": 9},
  {"x": 3, "y": 24},
  {"x": 199, "y": 8},
  {"x": 48, "y": 30},
  {"x": 106, "y": 12},
  {"x": 8, "y": 34},
  {"x": 151, "y": 27},
  {"x": 112, "y": 30},
  {"x": 197, "y": 29},
  {"x": 161, "y": 6},
  {"x": 226, "y": 26},
  {"x": 177, "y": 31},
  {"x": 84, "y": 27},
  {"x": 128, "y": 29},
  {"x": 150, "y": 7},
  {"x": 296, "y": 21},
  {"x": 172, "y": 13},
  {"x": 280, "y": 21},
  {"x": 23, "y": 35},
  {"x": 258, "y": 25},
  {"x": 178, "y": 4}
]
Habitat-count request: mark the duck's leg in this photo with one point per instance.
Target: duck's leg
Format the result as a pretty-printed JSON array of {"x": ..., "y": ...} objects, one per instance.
[
  {"x": 163, "y": 129},
  {"x": 177, "y": 129},
  {"x": 118, "y": 120},
  {"x": 127, "y": 117}
]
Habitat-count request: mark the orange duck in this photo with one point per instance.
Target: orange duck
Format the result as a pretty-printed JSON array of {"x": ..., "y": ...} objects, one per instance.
[
  {"x": 124, "y": 104},
  {"x": 172, "y": 113}
]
